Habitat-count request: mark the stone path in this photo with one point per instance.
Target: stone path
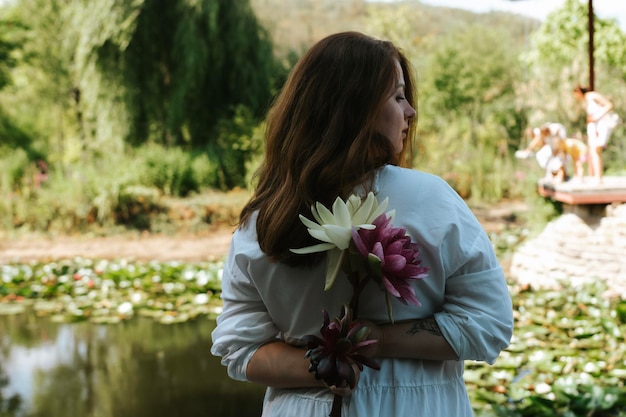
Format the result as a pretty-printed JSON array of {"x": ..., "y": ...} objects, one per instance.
[{"x": 576, "y": 248}]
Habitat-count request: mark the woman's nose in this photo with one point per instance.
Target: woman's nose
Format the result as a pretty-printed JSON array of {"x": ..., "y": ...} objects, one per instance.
[{"x": 410, "y": 112}]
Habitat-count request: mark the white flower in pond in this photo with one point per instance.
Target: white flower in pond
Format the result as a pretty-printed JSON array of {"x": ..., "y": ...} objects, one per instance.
[
  {"x": 136, "y": 297},
  {"x": 188, "y": 274},
  {"x": 202, "y": 279},
  {"x": 125, "y": 309},
  {"x": 201, "y": 299},
  {"x": 168, "y": 287},
  {"x": 542, "y": 388}
]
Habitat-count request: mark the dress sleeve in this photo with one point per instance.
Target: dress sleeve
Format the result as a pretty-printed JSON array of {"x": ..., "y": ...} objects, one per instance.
[
  {"x": 244, "y": 324},
  {"x": 477, "y": 315}
]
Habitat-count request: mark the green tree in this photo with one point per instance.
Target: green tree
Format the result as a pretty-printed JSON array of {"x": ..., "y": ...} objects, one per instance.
[
  {"x": 558, "y": 60},
  {"x": 470, "y": 111},
  {"x": 11, "y": 135},
  {"x": 190, "y": 64},
  {"x": 114, "y": 73},
  {"x": 40, "y": 95}
]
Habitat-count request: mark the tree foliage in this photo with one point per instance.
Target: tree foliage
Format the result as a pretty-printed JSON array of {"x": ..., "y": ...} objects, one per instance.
[
  {"x": 190, "y": 64},
  {"x": 11, "y": 135},
  {"x": 119, "y": 94},
  {"x": 559, "y": 59},
  {"x": 122, "y": 73}
]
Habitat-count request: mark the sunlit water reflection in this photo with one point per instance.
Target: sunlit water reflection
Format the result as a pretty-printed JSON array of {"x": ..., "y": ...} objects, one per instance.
[{"x": 138, "y": 368}]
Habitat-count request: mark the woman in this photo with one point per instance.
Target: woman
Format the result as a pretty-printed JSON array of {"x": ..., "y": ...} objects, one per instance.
[
  {"x": 600, "y": 124},
  {"x": 342, "y": 123},
  {"x": 546, "y": 138}
]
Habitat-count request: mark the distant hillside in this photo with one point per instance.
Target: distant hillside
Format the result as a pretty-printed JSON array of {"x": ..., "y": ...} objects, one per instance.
[{"x": 296, "y": 24}]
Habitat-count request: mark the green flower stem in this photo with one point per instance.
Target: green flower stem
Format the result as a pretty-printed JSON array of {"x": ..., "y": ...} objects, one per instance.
[{"x": 358, "y": 285}]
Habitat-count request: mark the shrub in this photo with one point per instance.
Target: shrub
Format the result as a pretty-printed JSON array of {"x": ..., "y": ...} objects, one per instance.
[{"x": 167, "y": 169}]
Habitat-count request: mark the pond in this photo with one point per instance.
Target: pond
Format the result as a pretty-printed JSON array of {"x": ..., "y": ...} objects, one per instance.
[{"x": 138, "y": 368}]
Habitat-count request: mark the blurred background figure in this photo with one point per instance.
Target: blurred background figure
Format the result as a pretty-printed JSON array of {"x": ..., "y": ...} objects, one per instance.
[
  {"x": 601, "y": 120},
  {"x": 575, "y": 151},
  {"x": 545, "y": 145},
  {"x": 555, "y": 171}
]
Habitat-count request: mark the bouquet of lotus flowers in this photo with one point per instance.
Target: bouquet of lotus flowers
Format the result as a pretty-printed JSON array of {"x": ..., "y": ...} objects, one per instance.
[{"x": 360, "y": 240}]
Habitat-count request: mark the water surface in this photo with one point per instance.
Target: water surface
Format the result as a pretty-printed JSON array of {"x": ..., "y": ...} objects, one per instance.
[{"x": 138, "y": 368}]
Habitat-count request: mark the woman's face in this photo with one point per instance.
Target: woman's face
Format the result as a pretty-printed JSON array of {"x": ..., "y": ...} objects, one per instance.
[{"x": 393, "y": 120}]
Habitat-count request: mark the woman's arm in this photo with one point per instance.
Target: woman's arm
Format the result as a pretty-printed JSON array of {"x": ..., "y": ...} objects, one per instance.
[
  {"x": 415, "y": 339},
  {"x": 536, "y": 143},
  {"x": 279, "y": 364}
]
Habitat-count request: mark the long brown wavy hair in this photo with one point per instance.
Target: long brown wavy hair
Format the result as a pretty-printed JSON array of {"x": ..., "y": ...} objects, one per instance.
[{"x": 321, "y": 141}]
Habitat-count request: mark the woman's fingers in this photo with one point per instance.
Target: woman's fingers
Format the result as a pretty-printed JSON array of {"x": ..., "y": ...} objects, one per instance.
[{"x": 343, "y": 391}]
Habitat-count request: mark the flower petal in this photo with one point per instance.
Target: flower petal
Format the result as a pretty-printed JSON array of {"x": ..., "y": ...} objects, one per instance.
[
  {"x": 381, "y": 209},
  {"x": 360, "y": 245},
  {"x": 320, "y": 247},
  {"x": 316, "y": 215},
  {"x": 325, "y": 215},
  {"x": 353, "y": 203},
  {"x": 341, "y": 214},
  {"x": 338, "y": 235},
  {"x": 369, "y": 362},
  {"x": 333, "y": 266},
  {"x": 395, "y": 262},
  {"x": 309, "y": 223},
  {"x": 378, "y": 251},
  {"x": 320, "y": 235},
  {"x": 390, "y": 287},
  {"x": 363, "y": 211}
]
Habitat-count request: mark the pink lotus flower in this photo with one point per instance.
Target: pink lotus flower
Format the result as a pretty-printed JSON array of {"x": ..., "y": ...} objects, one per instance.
[{"x": 393, "y": 259}]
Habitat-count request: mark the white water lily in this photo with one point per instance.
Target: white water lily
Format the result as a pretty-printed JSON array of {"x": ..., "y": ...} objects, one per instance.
[{"x": 334, "y": 228}]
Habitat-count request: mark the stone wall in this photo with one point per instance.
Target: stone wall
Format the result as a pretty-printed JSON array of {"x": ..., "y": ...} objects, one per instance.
[{"x": 585, "y": 243}]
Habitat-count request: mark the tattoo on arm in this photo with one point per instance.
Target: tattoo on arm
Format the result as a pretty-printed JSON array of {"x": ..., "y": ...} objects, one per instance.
[{"x": 426, "y": 325}]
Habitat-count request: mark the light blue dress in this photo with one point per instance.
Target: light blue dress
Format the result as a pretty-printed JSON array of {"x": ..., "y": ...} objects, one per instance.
[{"x": 465, "y": 291}]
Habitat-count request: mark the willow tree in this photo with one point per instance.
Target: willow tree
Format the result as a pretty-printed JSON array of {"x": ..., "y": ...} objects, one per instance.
[
  {"x": 12, "y": 135},
  {"x": 114, "y": 73},
  {"x": 189, "y": 64},
  {"x": 195, "y": 72}
]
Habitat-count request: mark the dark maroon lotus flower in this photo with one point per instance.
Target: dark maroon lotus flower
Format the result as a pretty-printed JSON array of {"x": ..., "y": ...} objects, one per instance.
[
  {"x": 333, "y": 354},
  {"x": 393, "y": 259}
]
